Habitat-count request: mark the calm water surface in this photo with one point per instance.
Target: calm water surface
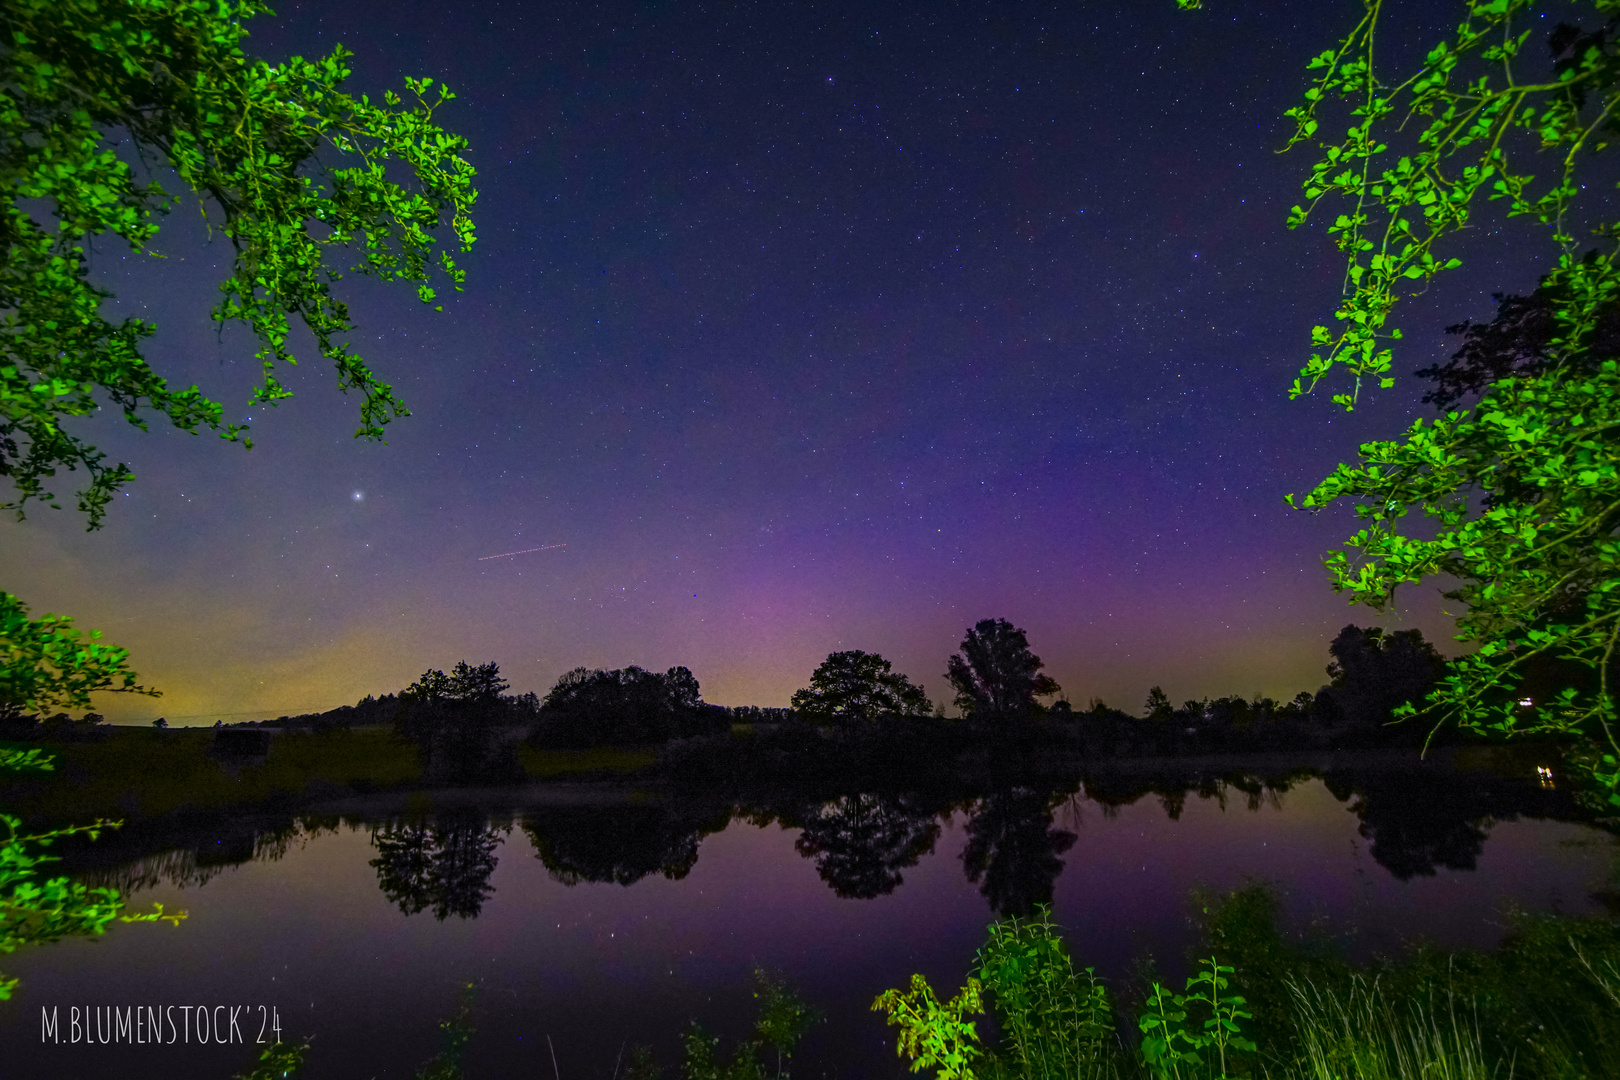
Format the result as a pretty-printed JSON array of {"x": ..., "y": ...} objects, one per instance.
[{"x": 607, "y": 922}]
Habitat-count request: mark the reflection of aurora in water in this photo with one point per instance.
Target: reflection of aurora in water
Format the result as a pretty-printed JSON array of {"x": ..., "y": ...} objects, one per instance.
[
  {"x": 599, "y": 917},
  {"x": 1417, "y": 822}
]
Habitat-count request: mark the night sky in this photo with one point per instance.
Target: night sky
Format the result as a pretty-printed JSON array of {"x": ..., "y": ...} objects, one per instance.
[{"x": 804, "y": 328}]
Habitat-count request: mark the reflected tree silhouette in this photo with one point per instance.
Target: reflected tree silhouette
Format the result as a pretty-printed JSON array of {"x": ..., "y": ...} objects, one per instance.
[
  {"x": 1416, "y": 819},
  {"x": 192, "y": 857},
  {"x": 619, "y": 844},
  {"x": 1258, "y": 792},
  {"x": 443, "y": 866},
  {"x": 862, "y": 842},
  {"x": 177, "y": 869},
  {"x": 1416, "y": 828},
  {"x": 1013, "y": 848}
]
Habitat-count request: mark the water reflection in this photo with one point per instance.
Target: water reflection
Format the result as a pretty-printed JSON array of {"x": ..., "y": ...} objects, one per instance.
[
  {"x": 620, "y": 844},
  {"x": 1013, "y": 848},
  {"x": 1417, "y": 821},
  {"x": 443, "y": 865},
  {"x": 1111, "y": 791},
  {"x": 1417, "y": 829},
  {"x": 861, "y": 842}
]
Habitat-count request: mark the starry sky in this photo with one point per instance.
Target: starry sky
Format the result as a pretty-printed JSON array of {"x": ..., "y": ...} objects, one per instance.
[{"x": 804, "y": 327}]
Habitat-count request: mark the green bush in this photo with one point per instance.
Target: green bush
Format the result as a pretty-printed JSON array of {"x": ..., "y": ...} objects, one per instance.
[{"x": 1544, "y": 1006}]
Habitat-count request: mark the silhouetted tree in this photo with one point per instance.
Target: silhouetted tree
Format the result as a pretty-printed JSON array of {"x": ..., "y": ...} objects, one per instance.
[
  {"x": 444, "y": 866},
  {"x": 1300, "y": 707},
  {"x": 1233, "y": 713},
  {"x": 859, "y": 687},
  {"x": 1158, "y": 705},
  {"x": 1515, "y": 343},
  {"x": 465, "y": 683},
  {"x": 461, "y": 723},
  {"x": 624, "y": 707},
  {"x": 995, "y": 674},
  {"x": 1373, "y": 672},
  {"x": 1013, "y": 847},
  {"x": 862, "y": 842},
  {"x": 759, "y": 714}
]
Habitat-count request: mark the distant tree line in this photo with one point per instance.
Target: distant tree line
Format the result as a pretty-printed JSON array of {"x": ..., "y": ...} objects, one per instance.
[
  {"x": 997, "y": 678},
  {"x": 1372, "y": 673},
  {"x": 467, "y": 724}
]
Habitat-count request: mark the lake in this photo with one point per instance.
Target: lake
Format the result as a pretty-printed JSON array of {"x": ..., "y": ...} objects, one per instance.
[{"x": 601, "y": 916}]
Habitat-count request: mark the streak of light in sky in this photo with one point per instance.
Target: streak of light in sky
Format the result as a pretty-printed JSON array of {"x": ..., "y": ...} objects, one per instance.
[{"x": 525, "y": 551}]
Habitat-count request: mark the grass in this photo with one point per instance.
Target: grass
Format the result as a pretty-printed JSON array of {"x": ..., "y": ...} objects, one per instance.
[
  {"x": 544, "y": 764},
  {"x": 143, "y": 773},
  {"x": 146, "y": 773},
  {"x": 1544, "y": 1006},
  {"x": 1356, "y": 1032}
]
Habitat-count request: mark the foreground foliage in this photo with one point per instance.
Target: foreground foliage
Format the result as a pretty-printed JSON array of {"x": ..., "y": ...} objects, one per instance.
[
  {"x": 255, "y": 142},
  {"x": 48, "y": 664},
  {"x": 35, "y": 911},
  {"x": 781, "y": 1022},
  {"x": 300, "y": 176},
  {"x": 1517, "y": 498},
  {"x": 1544, "y": 1006}
]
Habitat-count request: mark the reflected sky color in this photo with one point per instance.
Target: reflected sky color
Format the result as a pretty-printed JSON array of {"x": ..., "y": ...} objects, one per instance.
[{"x": 594, "y": 965}]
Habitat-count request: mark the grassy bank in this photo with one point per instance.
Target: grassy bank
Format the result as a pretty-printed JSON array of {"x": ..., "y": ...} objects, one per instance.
[
  {"x": 137, "y": 773},
  {"x": 601, "y": 761}
]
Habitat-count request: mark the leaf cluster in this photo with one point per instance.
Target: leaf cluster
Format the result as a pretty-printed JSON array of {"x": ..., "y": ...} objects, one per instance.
[
  {"x": 1473, "y": 113},
  {"x": 36, "y": 911},
  {"x": 448, "y": 1063},
  {"x": 782, "y": 1021},
  {"x": 1172, "y": 1047},
  {"x": 295, "y": 171},
  {"x": 935, "y": 1035},
  {"x": 1515, "y": 343},
  {"x": 47, "y": 663},
  {"x": 1515, "y": 498},
  {"x": 277, "y": 1061},
  {"x": 1055, "y": 1021},
  {"x": 1523, "y": 496}
]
